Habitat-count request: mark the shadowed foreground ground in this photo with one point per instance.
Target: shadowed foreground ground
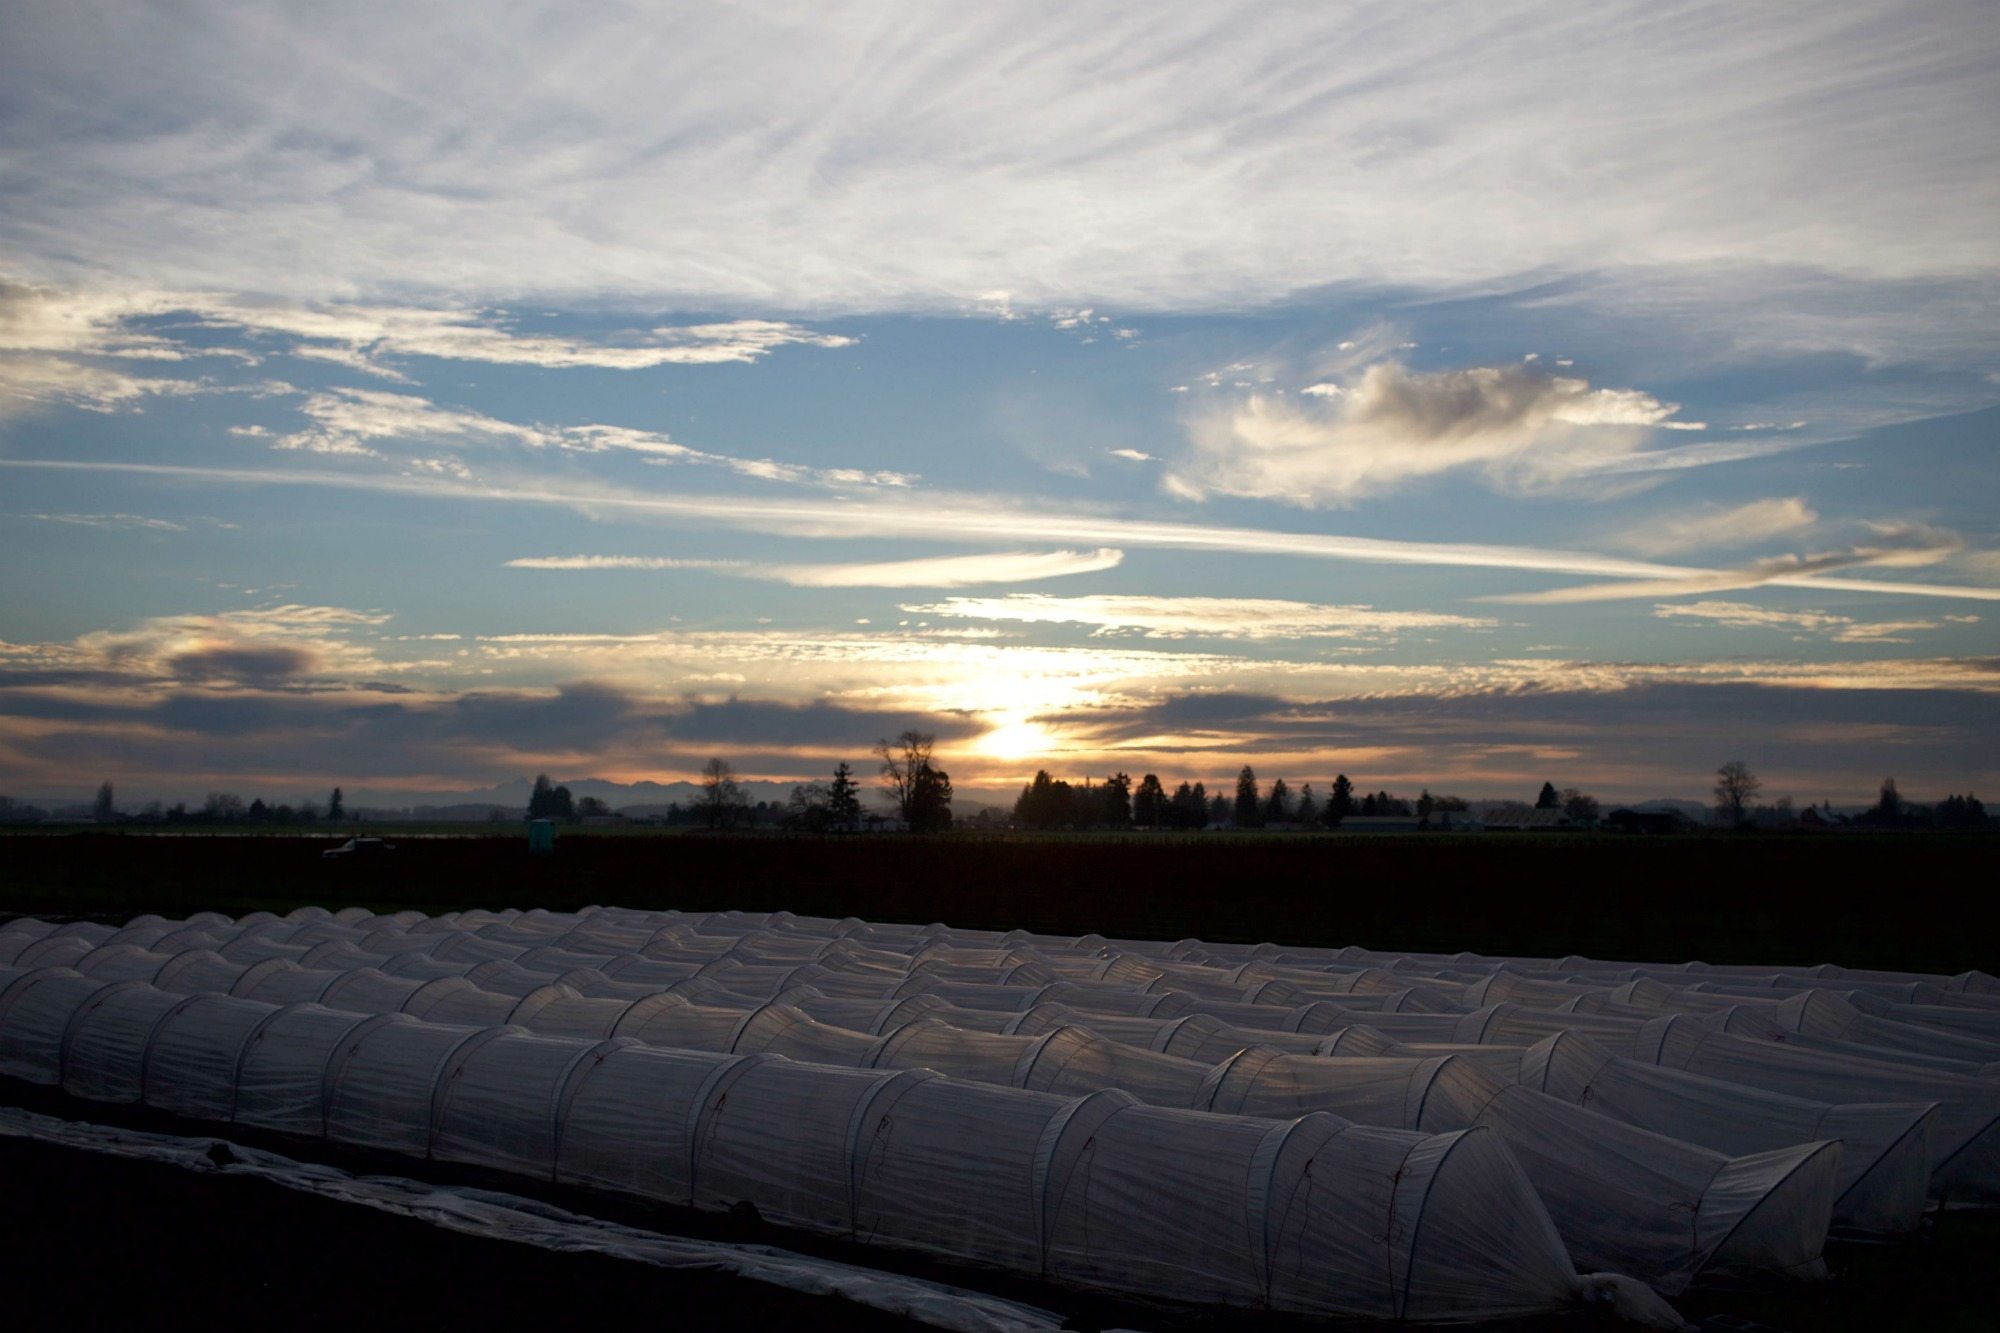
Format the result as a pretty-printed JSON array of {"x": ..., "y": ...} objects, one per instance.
[{"x": 1915, "y": 901}]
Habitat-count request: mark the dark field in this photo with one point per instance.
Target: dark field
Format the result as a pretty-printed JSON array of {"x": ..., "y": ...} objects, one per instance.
[{"x": 1912, "y": 901}]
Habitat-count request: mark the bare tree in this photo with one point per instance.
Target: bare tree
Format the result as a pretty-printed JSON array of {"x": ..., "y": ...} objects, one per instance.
[
  {"x": 1735, "y": 788},
  {"x": 904, "y": 762},
  {"x": 721, "y": 799}
]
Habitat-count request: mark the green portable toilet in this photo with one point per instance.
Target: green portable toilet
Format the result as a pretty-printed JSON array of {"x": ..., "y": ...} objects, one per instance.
[{"x": 541, "y": 837}]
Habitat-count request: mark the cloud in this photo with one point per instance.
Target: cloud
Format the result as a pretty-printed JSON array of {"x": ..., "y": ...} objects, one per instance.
[
  {"x": 1639, "y": 735},
  {"x": 592, "y": 562},
  {"x": 1712, "y": 528},
  {"x": 54, "y": 346},
  {"x": 357, "y": 422},
  {"x": 1132, "y": 455},
  {"x": 1842, "y": 629},
  {"x": 1886, "y": 631},
  {"x": 265, "y": 646},
  {"x": 242, "y": 662},
  {"x": 1062, "y": 156},
  {"x": 55, "y": 342},
  {"x": 1745, "y": 615},
  {"x": 136, "y": 522},
  {"x": 982, "y": 519},
  {"x": 952, "y": 571},
  {"x": 1983, "y": 565},
  {"x": 297, "y": 689},
  {"x": 1522, "y": 428},
  {"x": 1179, "y": 617},
  {"x": 29, "y": 383},
  {"x": 357, "y": 335},
  {"x": 1897, "y": 545}
]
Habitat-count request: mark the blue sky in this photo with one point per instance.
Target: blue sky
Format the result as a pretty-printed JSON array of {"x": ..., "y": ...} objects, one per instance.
[{"x": 416, "y": 397}]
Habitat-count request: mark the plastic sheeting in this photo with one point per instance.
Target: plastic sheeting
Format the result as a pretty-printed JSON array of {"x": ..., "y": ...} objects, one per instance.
[
  {"x": 1196, "y": 1001},
  {"x": 1620, "y": 1197},
  {"x": 1309, "y": 1215}
]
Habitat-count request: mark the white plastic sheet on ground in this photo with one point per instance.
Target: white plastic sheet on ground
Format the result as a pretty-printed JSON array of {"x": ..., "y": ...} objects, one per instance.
[{"x": 1096, "y": 1190}]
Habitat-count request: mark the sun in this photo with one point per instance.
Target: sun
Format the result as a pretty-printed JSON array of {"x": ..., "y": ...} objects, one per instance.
[{"x": 1015, "y": 737}]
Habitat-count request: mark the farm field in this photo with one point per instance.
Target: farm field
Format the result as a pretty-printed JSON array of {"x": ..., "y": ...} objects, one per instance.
[{"x": 1854, "y": 899}]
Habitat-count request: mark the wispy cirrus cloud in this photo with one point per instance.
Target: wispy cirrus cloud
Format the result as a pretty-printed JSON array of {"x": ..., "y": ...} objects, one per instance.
[
  {"x": 601, "y": 562},
  {"x": 1183, "y": 617},
  {"x": 1521, "y": 428},
  {"x": 1065, "y": 157},
  {"x": 1714, "y": 528},
  {"x": 130, "y": 522},
  {"x": 1896, "y": 545},
  {"x": 1839, "y": 628},
  {"x": 367, "y": 422},
  {"x": 75, "y": 345},
  {"x": 981, "y": 520},
  {"x": 76, "y": 349},
  {"x": 940, "y": 571},
  {"x": 360, "y": 335},
  {"x": 947, "y": 571}
]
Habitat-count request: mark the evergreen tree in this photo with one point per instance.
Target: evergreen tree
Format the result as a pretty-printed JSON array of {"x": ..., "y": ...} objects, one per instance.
[
  {"x": 1889, "y": 805},
  {"x": 1965, "y": 811},
  {"x": 336, "y": 805},
  {"x": 1278, "y": 805},
  {"x": 105, "y": 807},
  {"x": 1549, "y": 799},
  {"x": 1248, "y": 812},
  {"x": 1040, "y": 805},
  {"x": 1114, "y": 801},
  {"x": 1149, "y": 802},
  {"x": 1218, "y": 809},
  {"x": 541, "y": 801},
  {"x": 843, "y": 798},
  {"x": 1341, "y": 804}
]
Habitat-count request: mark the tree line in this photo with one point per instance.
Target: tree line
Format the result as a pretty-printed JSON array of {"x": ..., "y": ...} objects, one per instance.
[
  {"x": 920, "y": 794},
  {"x": 1116, "y": 803},
  {"x": 219, "y": 807}
]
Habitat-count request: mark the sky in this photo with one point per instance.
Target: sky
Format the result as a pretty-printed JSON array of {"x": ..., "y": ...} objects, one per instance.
[{"x": 420, "y": 396}]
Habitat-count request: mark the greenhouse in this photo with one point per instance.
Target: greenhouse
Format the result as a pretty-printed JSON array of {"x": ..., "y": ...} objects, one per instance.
[
  {"x": 1678, "y": 1126},
  {"x": 1307, "y": 1215}
]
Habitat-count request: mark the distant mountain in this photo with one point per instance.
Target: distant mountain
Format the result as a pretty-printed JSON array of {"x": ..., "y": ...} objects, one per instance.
[{"x": 1694, "y": 810}]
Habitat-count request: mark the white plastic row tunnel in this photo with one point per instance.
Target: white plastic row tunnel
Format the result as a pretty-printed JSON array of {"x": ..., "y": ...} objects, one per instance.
[{"x": 1104, "y": 1104}]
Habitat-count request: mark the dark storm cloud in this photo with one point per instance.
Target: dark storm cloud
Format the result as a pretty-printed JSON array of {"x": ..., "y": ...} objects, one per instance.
[
  {"x": 1671, "y": 727},
  {"x": 480, "y": 736},
  {"x": 243, "y": 662},
  {"x": 752, "y": 721}
]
